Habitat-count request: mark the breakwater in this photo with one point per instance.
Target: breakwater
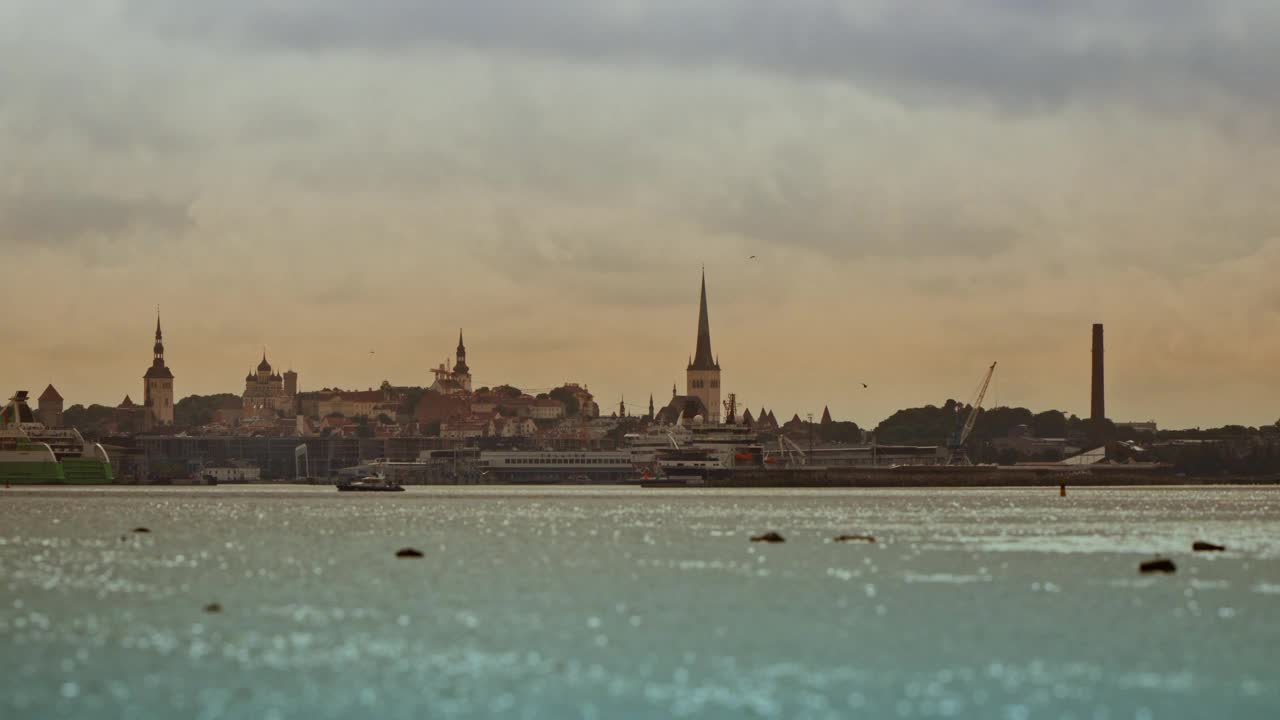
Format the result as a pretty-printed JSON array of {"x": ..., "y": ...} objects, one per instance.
[{"x": 971, "y": 477}]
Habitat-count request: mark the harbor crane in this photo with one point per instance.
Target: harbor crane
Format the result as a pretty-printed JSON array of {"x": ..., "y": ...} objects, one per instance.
[{"x": 956, "y": 442}]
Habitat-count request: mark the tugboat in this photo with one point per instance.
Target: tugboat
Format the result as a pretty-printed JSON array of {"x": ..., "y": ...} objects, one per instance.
[{"x": 371, "y": 483}]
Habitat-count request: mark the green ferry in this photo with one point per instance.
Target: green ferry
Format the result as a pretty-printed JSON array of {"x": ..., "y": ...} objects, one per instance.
[{"x": 32, "y": 454}]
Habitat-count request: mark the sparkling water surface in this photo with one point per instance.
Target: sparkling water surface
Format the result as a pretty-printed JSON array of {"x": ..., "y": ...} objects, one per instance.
[{"x": 581, "y": 602}]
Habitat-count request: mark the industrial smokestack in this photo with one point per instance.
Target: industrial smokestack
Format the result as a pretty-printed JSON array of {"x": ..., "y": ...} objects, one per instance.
[{"x": 1098, "y": 408}]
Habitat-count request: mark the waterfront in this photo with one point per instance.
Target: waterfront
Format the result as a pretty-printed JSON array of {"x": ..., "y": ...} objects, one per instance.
[{"x": 617, "y": 602}]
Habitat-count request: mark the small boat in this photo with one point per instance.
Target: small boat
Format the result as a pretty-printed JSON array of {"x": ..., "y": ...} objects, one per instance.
[{"x": 369, "y": 484}]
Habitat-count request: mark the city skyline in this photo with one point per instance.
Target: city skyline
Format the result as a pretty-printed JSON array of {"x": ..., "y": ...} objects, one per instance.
[
  {"x": 700, "y": 363},
  {"x": 373, "y": 176}
]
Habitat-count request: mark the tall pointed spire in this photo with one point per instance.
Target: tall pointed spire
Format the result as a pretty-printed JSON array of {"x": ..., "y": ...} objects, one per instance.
[
  {"x": 702, "y": 358},
  {"x": 157, "y": 351},
  {"x": 460, "y": 364}
]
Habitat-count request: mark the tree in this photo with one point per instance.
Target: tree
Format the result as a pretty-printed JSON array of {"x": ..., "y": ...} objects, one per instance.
[
  {"x": 999, "y": 421},
  {"x": 91, "y": 421},
  {"x": 409, "y": 399},
  {"x": 567, "y": 398},
  {"x": 508, "y": 391},
  {"x": 196, "y": 410},
  {"x": 929, "y": 424},
  {"x": 1049, "y": 424}
]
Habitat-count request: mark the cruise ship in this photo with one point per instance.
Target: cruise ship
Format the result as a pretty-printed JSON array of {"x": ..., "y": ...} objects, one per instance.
[
  {"x": 555, "y": 466},
  {"x": 694, "y": 452},
  {"x": 31, "y": 453}
]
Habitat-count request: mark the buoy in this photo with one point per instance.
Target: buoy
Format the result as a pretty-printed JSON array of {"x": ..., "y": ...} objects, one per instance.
[
  {"x": 141, "y": 530},
  {"x": 213, "y": 608},
  {"x": 408, "y": 553},
  {"x": 1202, "y": 546},
  {"x": 1159, "y": 565},
  {"x": 769, "y": 537},
  {"x": 1062, "y": 491},
  {"x": 853, "y": 538}
]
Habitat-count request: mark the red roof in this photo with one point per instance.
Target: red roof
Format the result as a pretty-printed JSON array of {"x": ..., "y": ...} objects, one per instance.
[{"x": 49, "y": 394}]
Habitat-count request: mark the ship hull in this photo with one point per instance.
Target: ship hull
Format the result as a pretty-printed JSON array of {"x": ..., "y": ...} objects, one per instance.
[{"x": 73, "y": 471}]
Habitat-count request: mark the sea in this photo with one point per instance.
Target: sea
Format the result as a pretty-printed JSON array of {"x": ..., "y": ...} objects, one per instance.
[{"x": 280, "y": 602}]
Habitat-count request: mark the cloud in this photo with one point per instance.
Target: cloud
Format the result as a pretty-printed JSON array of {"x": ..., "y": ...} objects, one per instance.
[
  {"x": 64, "y": 217},
  {"x": 1010, "y": 53}
]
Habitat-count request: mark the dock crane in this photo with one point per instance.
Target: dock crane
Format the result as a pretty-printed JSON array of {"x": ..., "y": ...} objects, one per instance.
[{"x": 956, "y": 442}]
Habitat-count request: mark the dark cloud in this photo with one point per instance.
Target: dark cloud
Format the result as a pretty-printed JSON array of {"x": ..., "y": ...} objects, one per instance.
[
  {"x": 64, "y": 217},
  {"x": 1010, "y": 52},
  {"x": 797, "y": 202}
]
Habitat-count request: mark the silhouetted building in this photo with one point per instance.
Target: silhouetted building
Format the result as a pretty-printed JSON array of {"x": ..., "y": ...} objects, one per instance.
[
  {"x": 49, "y": 411},
  {"x": 157, "y": 388},
  {"x": 267, "y": 393},
  {"x": 702, "y": 377},
  {"x": 457, "y": 380}
]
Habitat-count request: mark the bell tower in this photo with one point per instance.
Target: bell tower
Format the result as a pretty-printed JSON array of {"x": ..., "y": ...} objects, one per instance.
[
  {"x": 702, "y": 377},
  {"x": 157, "y": 386}
]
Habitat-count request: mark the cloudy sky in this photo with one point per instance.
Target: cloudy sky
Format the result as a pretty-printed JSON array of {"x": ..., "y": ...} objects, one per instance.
[{"x": 927, "y": 186}]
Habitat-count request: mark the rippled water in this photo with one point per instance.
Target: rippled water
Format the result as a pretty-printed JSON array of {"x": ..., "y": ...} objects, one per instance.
[{"x": 612, "y": 602}]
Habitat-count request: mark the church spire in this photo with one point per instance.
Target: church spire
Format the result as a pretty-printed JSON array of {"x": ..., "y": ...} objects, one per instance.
[
  {"x": 460, "y": 366},
  {"x": 157, "y": 352},
  {"x": 702, "y": 358}
]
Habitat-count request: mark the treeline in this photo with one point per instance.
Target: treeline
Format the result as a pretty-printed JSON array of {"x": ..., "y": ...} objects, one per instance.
[
  {"x": 196, "y": 410},
  {"x": 933, "y": 424}
]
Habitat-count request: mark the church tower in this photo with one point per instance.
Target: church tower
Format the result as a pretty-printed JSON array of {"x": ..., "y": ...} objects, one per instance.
[
  {"x": 702, "y": 378},
  {"x": 462, "y": 373},
  {"x": 157, "y": 388}
]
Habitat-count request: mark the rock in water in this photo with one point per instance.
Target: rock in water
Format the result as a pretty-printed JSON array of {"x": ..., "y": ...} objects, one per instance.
[
  {"x": 854, "y": 538},
  {"x": 1202, "y": 546},
  {"x": 141, "y": 530},
  {"x": 213, "y": 608},
  {"x": 1159, "y": 565},
  {"x": 408, "y": 552},
  {"x": 769, "y": 537}
]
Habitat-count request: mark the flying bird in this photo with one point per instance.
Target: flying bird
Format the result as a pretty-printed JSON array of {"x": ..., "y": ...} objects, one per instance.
[
  {"x": 864, "y": 385},
  {"x": 753, "y": 257}
]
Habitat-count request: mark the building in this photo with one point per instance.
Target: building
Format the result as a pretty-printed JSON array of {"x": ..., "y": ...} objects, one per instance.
[
  {"x": 128, "y": 417},
  {"x": 157, "y": 388},
  {"x": 702, "y": 377},
  {"x": 1021, "y": 440},
  {"x": 466, "y": 428},
  {"x": 386, "y": 400},
  {"x": 682, "y": 410},
  {"x": 435, "y": 407},
  {"x": 514, "y": 427},
  {"x": 546, "y": 409},
  {"x": 228, "y": 412},
  {"x": 49, "y": 411},
  {"x": 1149, "y": 426},
  {"x": 458, "y": 380},
  {"x": 232, "y": 471},
  {"x": 587, "y": 406},
  {"x": 266, "y": 393}
]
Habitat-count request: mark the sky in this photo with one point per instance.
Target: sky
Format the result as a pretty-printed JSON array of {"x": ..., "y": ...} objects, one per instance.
[{"x": 926, "y": 187}]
